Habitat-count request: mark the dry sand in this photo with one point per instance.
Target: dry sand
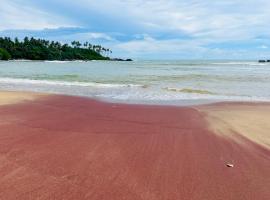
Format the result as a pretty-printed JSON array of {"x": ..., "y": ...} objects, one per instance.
[
  {"x": 7, "y": 97},
  {"x": 236, "y": 120},
  {"x": 76, "y": 148}
]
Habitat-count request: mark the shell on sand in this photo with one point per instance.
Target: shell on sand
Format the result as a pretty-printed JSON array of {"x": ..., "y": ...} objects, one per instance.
[{"x": 229, "y": 165}]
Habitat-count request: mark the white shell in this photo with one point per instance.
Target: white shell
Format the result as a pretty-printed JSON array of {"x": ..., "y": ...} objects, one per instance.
[{"x": 229, "y": 165}]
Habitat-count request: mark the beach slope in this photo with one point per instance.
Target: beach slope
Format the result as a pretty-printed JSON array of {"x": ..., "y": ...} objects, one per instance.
[{"x": 60, "y": 147}]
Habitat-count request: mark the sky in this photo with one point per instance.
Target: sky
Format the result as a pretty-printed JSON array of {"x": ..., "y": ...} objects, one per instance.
[{"x": 147, "y": 29}]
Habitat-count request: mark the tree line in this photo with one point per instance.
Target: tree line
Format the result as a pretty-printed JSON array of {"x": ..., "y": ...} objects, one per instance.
[{"x": 40, "y": 49}]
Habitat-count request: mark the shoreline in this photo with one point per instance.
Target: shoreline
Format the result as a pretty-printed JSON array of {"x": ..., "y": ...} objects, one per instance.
[
  {"x": 173, "y": 103},
  {"x": 69, "y": 147}
]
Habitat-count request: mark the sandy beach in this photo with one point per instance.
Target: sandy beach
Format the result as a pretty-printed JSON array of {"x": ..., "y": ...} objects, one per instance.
[{"x": 63, "y": 147}]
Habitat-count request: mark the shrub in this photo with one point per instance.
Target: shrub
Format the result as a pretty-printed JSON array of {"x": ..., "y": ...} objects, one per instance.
[{"x": 4, "y": 55}]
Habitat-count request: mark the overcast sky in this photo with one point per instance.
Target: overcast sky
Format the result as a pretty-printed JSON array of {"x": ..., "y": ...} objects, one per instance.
[{"x": 148, "y": 29}]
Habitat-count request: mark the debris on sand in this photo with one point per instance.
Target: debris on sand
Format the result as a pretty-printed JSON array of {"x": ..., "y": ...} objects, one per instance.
[{"x": 229, "y": 165}]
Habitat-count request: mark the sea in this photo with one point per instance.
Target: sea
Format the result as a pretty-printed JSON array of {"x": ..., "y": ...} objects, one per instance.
[{"x": 142, "y": 82}]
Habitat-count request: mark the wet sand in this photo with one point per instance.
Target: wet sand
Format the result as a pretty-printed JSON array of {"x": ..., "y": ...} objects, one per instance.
[{"x": 59, "y": 147}]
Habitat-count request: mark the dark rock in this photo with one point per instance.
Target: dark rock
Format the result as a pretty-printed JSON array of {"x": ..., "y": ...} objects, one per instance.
[
  {"x": 120, "y": 59},
  {"x": 262, "y": 61}
]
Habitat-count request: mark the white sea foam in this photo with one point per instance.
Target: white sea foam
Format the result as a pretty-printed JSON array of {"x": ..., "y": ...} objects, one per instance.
[
  {"x": 56, "y": 61},
  {"x": 161, "y": 96},
  {"x": 239, "y": 63},
  {"x": 66, "y": 61},
  {"x": 64, "y": 83},
  {"x": 20, "y": 60}
]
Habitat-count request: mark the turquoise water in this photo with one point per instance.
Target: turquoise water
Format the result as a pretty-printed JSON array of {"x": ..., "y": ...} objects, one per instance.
[{"x": 166, "y": 82}]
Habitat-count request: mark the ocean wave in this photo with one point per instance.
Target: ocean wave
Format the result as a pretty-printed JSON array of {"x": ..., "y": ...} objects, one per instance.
[
  {"x": 191, "y": 91},
  {"x": 21, "y": 60},
  {"x": 240, "y": 63},
  {"x": 177, "y": 97},
  {"x": 124, "y": 92},
  {"x": 64, "y": 83},
  {"x": 65, "y": 61},
  {"x": 55, "y": 61},
  {"x": 203, "y": 77},
  {"x": 47, "y": 77}
]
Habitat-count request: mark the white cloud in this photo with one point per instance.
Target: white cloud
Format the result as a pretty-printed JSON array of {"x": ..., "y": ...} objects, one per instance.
[
  {"x": 15, "y": 15},
  {"x": 94, "y": 36},
  {"x": 227, "y": 19},
  {"x": 194, "y": 17},
  {"x": 263, "y": 47},
  {"x": 171, "y": 48},
  {"x": 152, "y": 27},
  {"x": 149, "y": 47}
]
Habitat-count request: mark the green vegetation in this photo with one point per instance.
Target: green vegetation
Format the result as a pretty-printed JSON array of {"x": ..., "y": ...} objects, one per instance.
[
  {"x": 38, "y": 49},
  {"x": 4, "y": 55}
]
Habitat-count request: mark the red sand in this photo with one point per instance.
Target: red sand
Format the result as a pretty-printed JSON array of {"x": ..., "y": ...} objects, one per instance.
[{"x": 76, "y": 148}]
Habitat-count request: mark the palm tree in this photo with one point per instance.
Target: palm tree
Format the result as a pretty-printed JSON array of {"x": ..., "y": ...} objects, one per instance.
[
  {"x": 78, "y": 44},
  {"x": 73, "y": 43},
  {"x": 90, "y": 46},
  {"x": 85, "y": 44}
]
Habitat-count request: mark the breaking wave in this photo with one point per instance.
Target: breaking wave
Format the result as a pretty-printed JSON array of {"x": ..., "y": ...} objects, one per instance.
[
  {"x": 189, "y": 90},
  {"x": 64, "y": 83}
]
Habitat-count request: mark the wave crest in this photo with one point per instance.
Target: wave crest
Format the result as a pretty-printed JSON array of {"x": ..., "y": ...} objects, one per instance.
[
  {"x": 191, "y": 91},
  {"x": 64, "y": 83}
]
